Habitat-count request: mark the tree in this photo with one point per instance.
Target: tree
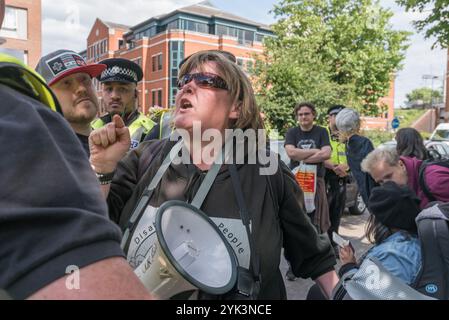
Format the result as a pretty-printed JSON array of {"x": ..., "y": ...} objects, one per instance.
[
  {"x": 436, "y": 22},
  {"x": 326, "y": 52},
  {"x": 423, "y": 97}
]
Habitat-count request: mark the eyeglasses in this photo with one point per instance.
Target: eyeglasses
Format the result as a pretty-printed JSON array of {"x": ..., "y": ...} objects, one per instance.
[
  {"x": 304, "y": 114},
  {"x": 203, "y": 80}
]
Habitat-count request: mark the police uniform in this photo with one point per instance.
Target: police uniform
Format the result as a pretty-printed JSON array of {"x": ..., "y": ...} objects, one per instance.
[
  {"x": 335, "y": 185},
  {"x": 125, "y": 71}
]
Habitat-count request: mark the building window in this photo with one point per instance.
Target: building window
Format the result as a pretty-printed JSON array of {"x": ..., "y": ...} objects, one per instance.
[
  {"x": 173, "y": 25},
  {"x": 157, "y": 62},
  {"x": 176, "y": 56},
  {"x": 244, "y": 37},
  {"x": 157, "y": 98},
  {"x": 10, "y": 22},
  {"x": 15, "y": 24},
  {"x": 19, "y": 54},
  {"x": 195, "y": 26},
  {"x": 259, "y": 37},
  {"x": 138, "y": 61}
]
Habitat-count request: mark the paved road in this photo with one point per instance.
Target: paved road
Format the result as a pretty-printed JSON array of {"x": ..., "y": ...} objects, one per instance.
[{"x": 353, "y": 229}]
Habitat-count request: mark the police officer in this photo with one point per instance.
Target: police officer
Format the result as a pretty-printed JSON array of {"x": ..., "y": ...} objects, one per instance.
[
  {"x": 336, "y": 175},
  {"x": 120, "y": 96}
]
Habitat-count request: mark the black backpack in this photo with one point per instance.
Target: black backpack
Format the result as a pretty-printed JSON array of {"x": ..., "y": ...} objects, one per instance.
[
  {"x": 433, "y": 279},
  {"x": 433, "y": 233},
  {"x": 422, "y": 175}
]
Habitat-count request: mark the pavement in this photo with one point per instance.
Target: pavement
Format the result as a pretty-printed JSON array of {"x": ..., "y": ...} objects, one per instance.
[{"x": 351, "y": 228}]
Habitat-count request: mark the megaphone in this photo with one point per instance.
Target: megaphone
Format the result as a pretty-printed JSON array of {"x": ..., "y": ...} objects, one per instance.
[{"x": 190, "y": 253}]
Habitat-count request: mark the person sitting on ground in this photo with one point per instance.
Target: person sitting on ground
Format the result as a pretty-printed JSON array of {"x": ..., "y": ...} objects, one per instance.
[{"x": 393, "y": 231}]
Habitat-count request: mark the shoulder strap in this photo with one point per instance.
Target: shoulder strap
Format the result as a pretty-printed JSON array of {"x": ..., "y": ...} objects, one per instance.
[
  {"x": 244, "y": 215},
  {"x": 148, "y": 192},
  {"x": 422, "y": 176}
]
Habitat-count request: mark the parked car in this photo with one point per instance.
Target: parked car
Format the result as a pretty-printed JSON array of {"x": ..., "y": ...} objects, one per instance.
[
  {"x": 437, "y": 149},
  {"x": 441, "y": 133},
  {"x": 440, "y": 148},
  {"x": 354, "y": 201}
]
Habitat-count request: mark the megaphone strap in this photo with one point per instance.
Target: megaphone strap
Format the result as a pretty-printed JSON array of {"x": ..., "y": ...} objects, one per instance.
[
  {"x": 148, "y": 192},
  {"x": 208, "y": 181},
  {"x": 244, "y": 215}
]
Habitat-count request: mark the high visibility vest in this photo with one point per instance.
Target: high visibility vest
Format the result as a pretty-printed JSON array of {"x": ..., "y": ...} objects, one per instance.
[
  {"x": 165, "y": 125},
  {"x": 16, "y": 75},
  {"x": 137, "y": 129},
  {"x": 338, "y": 150}
]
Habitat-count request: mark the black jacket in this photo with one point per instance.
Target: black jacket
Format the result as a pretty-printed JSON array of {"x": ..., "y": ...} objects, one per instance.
[{"x": 278, "y": 217}]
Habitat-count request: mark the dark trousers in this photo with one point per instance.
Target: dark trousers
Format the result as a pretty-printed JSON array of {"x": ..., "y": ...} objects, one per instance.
[{"x": 336, "y": 197}]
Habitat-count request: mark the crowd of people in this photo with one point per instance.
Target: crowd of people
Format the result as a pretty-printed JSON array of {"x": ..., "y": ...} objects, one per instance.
[{"x": 74, "y": 181}]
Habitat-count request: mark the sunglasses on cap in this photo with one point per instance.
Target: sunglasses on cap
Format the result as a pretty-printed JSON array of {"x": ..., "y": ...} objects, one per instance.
[{"x": 203, "y": 80}]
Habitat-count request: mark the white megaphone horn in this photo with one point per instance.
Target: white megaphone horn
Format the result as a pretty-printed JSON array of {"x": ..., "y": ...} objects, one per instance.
[{"x": 190, "y": 253}]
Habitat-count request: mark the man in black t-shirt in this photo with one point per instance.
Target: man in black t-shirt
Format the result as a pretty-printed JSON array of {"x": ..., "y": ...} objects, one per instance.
[{"x": 309, "y": 144}]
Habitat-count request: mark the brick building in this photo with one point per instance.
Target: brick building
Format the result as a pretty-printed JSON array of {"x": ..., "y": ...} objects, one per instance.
[
  {"x": 22, "y": 30},
  {"x": 160, "y": 43}
]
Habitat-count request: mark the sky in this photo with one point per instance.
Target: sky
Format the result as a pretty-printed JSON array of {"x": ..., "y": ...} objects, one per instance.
[{"x": 66, "y": 24}]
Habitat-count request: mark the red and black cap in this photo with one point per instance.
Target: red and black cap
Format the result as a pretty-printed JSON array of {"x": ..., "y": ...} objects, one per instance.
[{"x": 62, "y": 63}]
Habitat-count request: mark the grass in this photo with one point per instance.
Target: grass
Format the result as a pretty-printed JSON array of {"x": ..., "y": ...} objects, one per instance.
[{"x": 408, "y": 116}]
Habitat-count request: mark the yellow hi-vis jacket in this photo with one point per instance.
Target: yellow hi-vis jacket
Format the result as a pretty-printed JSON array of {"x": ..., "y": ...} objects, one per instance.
[
  {"x": 338, "y": 150},
  {"x": 138, "y": 129},
  {"x": 16, "y": 75}
]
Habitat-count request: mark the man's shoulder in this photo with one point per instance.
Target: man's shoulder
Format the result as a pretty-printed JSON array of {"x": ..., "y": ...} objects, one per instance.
[
  {"x": 294, "y": 130},
  {"x": 320, "y": 129}
]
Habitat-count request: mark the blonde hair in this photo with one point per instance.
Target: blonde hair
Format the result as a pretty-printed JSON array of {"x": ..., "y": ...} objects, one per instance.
[{"x": 239, "y": 86}]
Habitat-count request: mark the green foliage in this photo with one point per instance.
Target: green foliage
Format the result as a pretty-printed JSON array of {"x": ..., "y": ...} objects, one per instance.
[
  {"x": 425, "y": 95},
  {"x": 408, "y": 116},
  {"x": 328, "y": 52},
  {"x": 378, "y": 137},
  {"x": 436, "y": 23}
]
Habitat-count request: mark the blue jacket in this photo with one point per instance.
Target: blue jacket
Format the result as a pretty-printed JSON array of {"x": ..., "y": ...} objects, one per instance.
[{"x": 400, "y": 254}]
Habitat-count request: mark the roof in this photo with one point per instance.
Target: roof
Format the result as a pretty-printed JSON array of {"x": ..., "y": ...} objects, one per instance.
[
  {"x": 116, "y": 25},
  {"x": 207, "y": 10}
]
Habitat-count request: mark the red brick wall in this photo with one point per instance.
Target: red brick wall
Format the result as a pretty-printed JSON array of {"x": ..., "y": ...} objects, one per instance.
[{"x": 34, "y": 42}]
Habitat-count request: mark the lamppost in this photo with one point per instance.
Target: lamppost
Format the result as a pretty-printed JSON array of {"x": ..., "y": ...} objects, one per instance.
[{"x": 432, "y": 77}]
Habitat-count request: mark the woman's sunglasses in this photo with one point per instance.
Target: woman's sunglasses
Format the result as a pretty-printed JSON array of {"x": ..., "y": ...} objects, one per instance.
[{"x": 203, "y": 80}]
